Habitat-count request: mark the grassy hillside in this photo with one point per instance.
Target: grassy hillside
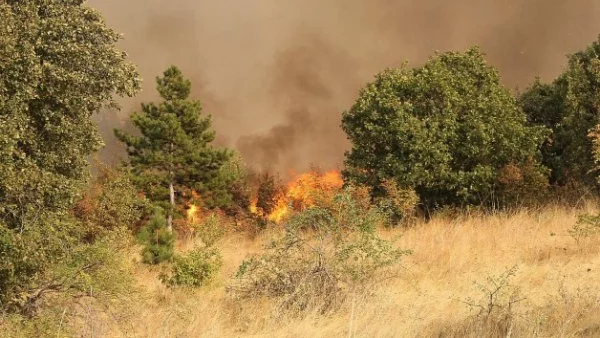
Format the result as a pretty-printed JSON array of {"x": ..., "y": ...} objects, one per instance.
[{"x": 442, "y": 290}]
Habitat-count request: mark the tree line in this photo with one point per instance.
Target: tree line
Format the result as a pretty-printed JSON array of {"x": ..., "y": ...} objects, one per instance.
[{"x": 447, "y": 133}]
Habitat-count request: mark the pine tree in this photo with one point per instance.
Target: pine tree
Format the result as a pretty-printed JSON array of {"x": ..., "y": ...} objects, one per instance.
[{"x": 174, "y": 156}]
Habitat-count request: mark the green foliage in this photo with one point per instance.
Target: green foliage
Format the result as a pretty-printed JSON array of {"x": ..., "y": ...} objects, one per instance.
[
  {"x": 397, "y": 203},
  {"x": 93, "y": 275},
  {"x": 594, "y": 137},
  {"x": 235, "y": 172},
  {"x": 157, "y": 239},
  {"x": 112, "y": 203},
  {"x": 444, "y": 129},
  {"x": 211, "y": 230},
  {"x": 37, "y": 265},
  {"x": 59, "y": 65},
  {"x": 195, "y": 269},
  {"x": 544, "y": 105},
  {"x": 43, "y": 325},
  {"x": 326, "y": 253},
  {"x": 587, "y": 226},
  {"x": 269, "y": 189},
  {"x": 570, "y": 107},
  {"x": 175, "y": 148},
  {"x": 202, "y": 264}
]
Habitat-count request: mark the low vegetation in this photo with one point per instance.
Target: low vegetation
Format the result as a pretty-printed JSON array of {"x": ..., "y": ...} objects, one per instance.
[
  {"x": 425, "y": 295},
  {"x": 325, "y": 254},
  {"x": 446, "y": 221}
]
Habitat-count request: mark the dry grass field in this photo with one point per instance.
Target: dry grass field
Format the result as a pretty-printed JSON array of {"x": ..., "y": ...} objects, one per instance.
[{"x": 451, "y": 286}]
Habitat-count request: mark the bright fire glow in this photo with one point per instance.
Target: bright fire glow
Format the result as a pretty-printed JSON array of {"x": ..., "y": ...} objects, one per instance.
[
  {"x": 280, "y": 210},
  {"x": 192, "y": 213},
  {"x": 301, "y": 193}
]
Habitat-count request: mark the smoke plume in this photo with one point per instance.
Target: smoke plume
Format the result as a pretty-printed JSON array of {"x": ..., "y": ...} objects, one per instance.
[{"x": 276, "y": 75}]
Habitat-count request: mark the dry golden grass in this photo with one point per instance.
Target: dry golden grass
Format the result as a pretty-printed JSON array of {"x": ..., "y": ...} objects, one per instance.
[{"x": 558, "y": 278}]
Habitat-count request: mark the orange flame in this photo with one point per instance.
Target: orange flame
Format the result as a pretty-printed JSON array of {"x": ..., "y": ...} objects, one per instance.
[
  {"x": 279, "y": 211},
  {"x": 253, "y": 207},
  {"x": 193, "y": 211},
  {"x": 308, "y": 186},
  {"x": 301, "y": 193}
]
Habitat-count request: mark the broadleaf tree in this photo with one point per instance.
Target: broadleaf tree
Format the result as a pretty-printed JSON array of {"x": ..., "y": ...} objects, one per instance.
[
  {"x": 445, "y": 129},
  {"x": 570, "y": 106},
  {"x": 173, "y": 156},
  {"x": 59, "y": 65}
]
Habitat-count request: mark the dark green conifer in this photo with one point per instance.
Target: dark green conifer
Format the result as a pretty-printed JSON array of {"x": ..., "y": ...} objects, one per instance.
[{"x": 174, "y": 156}]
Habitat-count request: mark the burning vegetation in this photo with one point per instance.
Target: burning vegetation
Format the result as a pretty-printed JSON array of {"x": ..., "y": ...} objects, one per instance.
[
  {"x": 445, "y": 139},
  {"x": 275, "y": 202}
]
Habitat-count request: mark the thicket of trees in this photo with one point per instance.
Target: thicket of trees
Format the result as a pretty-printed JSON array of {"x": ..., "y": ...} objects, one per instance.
[
  {"x": 570, "y": 108},
  {"x": 452, "y": 132},
  {"x": 448, "y": 129},
  {"x": 447, "y": 133}
]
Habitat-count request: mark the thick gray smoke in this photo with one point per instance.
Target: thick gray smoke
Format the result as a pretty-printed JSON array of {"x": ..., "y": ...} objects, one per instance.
[{"x": 276, "y": 75}]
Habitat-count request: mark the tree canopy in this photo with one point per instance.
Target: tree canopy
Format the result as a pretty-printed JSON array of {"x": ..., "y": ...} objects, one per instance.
[
  {"x": 59, "y": 65},
  {"x": 570, "y": 106},
  {"x": 174, "y": 148},
  {"x": 447, "y": 129}
]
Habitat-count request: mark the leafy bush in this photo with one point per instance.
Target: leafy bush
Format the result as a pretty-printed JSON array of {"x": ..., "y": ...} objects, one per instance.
[
  {"x": 522, "y": 184},
  {"x": 210, "y": 230},
  {"x": 236, "y": 174},
  {"x": 157, "y": 239},
  {"x": 112, "y": 203},
  {"x": 397, "y": 203},
  {"x": 194, "y": 269},
  {"x": 325, "y": 253},
  {"x": 544, "y": 105},
  {"x": 94, "y": 270},
  {"x": 445, "y": 129}
]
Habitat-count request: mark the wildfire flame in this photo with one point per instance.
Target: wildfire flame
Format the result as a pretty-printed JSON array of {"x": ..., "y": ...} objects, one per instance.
[
  {"x": 301, "y": 193},
  {"x": 279, "y": 211},
  {"x": 192, "y": 213},
  {"x": 193, "y": 210}
]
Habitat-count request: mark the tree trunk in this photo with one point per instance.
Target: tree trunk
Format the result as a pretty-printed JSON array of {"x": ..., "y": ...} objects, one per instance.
[{"x": 172, "y": 199}]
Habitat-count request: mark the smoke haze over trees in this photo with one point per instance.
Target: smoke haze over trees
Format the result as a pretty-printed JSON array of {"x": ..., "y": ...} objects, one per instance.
[{"x": 277, "y": 75}]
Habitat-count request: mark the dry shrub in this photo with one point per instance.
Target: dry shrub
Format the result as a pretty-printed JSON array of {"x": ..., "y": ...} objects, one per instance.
[
  {"x": 522, "y": 185},
  {"x": 399, "y": 203},
  {"x": 111, "y": 203},
  {"x": 199, "y": 266},
  {"x": 211, "y": 229},
  {"x": 325, "y": 253},
  {"x": 493, "y": 312},
  {"x": 565, "y": 314},
  {"x": 195, "y": 269},
  {"x": 587, "y": 226}
]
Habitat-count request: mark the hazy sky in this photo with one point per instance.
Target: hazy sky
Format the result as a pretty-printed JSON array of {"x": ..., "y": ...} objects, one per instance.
[{"x": 277, "y": 74}]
